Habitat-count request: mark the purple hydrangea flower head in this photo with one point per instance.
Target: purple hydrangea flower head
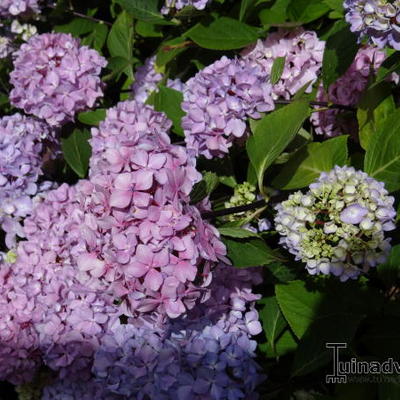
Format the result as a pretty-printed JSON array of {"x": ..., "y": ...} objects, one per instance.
[
  {"x": 147, "y": 80},
  {"x": 25, "y": 143},
  {"x": 338, "y": 227},
  {"x": 208, "y": 352},
  {"x": 217, "y": 102},
  {"x": 12, "y": 8},
  {"x": 303, "y": 53},
  {"x": 54, "y": 77},
  {"x": 377, "y": 20},
  {"x": 347, "y": 91},
  {"x": 179, "y": 4}
]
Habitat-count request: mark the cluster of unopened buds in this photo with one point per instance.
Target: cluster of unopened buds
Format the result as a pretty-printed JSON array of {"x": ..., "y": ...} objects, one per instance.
[{"x": 245, "y": 193}]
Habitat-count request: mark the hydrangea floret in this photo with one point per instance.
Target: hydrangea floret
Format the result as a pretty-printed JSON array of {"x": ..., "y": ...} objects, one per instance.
[
  {"x": 338, "y": 227},
  {"x": 376, "y": 20},
  {"x": 54, "y": 77}
]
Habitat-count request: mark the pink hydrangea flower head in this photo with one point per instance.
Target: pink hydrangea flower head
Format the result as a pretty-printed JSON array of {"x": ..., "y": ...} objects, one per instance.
[
  {"x": 303, "y": 53},
  {"x": 54, "y": 77}
]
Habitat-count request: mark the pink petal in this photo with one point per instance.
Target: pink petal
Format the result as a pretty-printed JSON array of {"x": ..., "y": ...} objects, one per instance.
[
  {"x": 123, "y": 181},
  {"x": 135, "y": 269},
  {"x": 143, "y": 180},
  {"x": 153, "y": 280},
  {"x": 120, "y": 198}
]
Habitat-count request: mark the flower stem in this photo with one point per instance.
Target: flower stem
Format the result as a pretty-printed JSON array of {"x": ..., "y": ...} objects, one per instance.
[
  {"x": 80, "y": 15},
  {"x": 320, "y": 104},
  {"x": 234, "y": 210}
]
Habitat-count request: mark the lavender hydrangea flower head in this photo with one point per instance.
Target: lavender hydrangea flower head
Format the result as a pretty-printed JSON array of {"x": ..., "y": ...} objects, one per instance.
[
  {"x": 12, "y": 8},
  {"x": 217, "y": 102},
  {"x": 377, "y": 20},
  {"x": 338, "y": 227},
  {"x": 25, "y": 143},
  {"x": 147, "y": 80},
  {"x": 207, "y": 353},
  {"x": 347, "y": 91},
  {"x": 303, "y": 53},
  {"x": 179, "y": 4},
  {"x": 54, "y": 77}
]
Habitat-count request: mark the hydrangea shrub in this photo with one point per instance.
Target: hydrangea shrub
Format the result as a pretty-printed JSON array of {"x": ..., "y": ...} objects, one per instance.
[{"x": 197, "y": 197}]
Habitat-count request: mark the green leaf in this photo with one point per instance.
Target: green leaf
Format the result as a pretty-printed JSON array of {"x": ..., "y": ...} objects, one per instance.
[
  {"x": 375, "y": 107},
  {"x": 118, "y": 65},
  {"x": 319, "y": 314},
  {"x": 244, "y": 7},
  {"x": 286, "y": 343},
  {"x": 237, "y": 233},
  {"x": 120, "y": 39},
  {"x": 277, "y": 69},
  {"x": 77, "y": 151},
  {"x": 274, "y": 132},
  {"x": 92, "y": 118},
  {"x": 204, "y": 188},
  {"x": 147, "y": 30},
  {"x": 336, "y": 5},
  {"x": 169, "y": 101},
  {"x": 332, "y": 326},
  {"x": 280, "y": 273},
  {"x": 223, "y": 34},
  {"x": 389, "y": 272},
  {"x": 77, "y": 27},
  {"x": 307, "y": 163},
  {"x": 298, "y": 305},
  {"x": 144, "y": 10},
  {"x": 97, "y": 38},
  {"x": 340, "y": 50},
  {"x": 170, "y": 49},
  {"x": 382, "y": 159},
  {"x": 272, "y": 319},
  {"x": 390, "y": 65},
  {"x": 276, "y": 14},
  {"x": 250, "y": 252},
  {"x": 306, "y": 11}
]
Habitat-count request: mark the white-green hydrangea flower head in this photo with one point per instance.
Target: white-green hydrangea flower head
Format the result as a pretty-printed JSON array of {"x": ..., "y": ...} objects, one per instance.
[{"x": 338, "y": 227}]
